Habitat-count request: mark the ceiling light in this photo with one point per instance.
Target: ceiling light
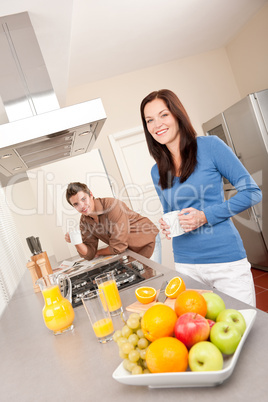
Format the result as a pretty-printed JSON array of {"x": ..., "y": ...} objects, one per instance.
[
  {"x": 84, "y": 133},
  {"x": 6, "y": 156}
]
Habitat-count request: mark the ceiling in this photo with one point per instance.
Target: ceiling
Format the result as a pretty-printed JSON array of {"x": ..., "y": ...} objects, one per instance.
[{"x": 87, "y": 40}]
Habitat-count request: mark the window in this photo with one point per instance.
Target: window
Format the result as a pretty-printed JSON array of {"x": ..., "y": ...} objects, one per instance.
[{"x": 12, "y": 262}]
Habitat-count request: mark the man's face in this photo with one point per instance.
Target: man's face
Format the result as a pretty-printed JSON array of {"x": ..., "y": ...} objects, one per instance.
[{"x": 83, "y": 203}]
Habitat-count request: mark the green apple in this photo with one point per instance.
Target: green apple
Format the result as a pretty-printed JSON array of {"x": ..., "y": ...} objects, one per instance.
[
  {"x": 234, "y": 317},
  {"x": 205, "y": 356},
  {"x": 225, "y": 336},
  {"x": 215, "y": 305}
]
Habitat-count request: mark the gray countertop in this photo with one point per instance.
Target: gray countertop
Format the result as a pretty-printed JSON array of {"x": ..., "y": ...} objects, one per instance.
[{"x": 35, "y": 365}]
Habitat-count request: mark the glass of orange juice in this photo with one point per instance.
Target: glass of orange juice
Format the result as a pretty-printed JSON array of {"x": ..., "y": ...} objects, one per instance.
[
  {"x": 107, "y": 283},
  {"x": 99, "y": 315}
]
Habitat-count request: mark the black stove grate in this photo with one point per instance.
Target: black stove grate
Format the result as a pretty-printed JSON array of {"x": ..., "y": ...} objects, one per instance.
[{"x": 127, "y": 272}]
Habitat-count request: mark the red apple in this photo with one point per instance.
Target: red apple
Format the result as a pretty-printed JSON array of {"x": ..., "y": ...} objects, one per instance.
[
  {"x": 191, "y": 328},
  {"x": 211, "y": 322}
]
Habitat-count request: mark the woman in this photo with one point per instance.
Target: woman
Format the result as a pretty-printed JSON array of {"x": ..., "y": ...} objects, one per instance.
[{"x": 188, "y": 177}]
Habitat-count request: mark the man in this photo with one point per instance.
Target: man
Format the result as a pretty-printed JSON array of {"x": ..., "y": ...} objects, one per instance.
[{"x": 111, "y": 221}]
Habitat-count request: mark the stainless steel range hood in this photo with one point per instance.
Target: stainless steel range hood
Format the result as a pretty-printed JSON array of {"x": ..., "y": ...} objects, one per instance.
[{"x": 38, "y": 132}]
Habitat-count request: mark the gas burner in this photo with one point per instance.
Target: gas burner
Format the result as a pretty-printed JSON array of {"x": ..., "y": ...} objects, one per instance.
[{"x": 127, "y": 272}]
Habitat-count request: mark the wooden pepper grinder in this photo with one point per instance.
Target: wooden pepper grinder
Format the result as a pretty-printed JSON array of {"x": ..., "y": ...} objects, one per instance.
[
  {"x": 46, "y": 270},
  {"x": 34, "y": 274},
  {"x": 44, "y": 256}
]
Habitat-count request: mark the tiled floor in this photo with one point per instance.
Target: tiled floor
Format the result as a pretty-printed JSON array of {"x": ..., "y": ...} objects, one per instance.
[{"x": 261, "y": 288}]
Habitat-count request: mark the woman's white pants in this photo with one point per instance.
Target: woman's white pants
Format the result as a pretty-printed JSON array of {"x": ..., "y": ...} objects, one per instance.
[{"x": 233, "y": 278}]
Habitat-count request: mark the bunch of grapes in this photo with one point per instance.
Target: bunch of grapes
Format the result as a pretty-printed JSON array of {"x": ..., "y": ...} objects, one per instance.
[{"x": 132, "y": 345}]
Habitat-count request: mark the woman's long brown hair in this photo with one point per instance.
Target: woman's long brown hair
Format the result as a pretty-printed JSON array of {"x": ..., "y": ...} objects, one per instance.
[{"x": 188, "y": 143}]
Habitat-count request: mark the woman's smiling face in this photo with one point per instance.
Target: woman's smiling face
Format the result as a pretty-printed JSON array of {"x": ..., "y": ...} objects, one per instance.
[{"x": 161, "y": 123}]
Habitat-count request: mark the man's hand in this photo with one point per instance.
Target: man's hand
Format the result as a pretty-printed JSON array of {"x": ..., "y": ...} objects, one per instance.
[
  {"x": 81, "y": 248},
  {"x": 104, "y": 251},
  {"x": 67, "y": 237}
]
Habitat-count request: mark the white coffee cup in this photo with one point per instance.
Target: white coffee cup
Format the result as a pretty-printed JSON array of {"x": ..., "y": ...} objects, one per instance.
[
  {"x": 172, "y": 219},
  {"x": 75, "y": 237}
]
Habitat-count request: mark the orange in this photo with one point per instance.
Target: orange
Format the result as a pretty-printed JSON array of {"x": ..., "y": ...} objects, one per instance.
[
  {"x": 145, "y": 294},
  {"x": 174, "y": 287},
  {"x": 166, "y": 355},
  {"x": 190, "y": 301},
  {"x": 158, "y": 321}
]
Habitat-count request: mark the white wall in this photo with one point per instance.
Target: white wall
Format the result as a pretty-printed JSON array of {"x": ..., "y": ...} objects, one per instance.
[{"x": 248, "y": 54}]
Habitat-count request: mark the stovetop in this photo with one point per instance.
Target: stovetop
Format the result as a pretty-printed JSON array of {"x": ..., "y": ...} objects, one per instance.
[{"x": 127, "y": 271}]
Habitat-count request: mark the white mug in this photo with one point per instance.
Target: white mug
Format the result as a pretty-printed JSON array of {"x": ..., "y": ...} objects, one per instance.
[
  {"x": 172, "y": 219},
  {"x": 75, "y": 237}
]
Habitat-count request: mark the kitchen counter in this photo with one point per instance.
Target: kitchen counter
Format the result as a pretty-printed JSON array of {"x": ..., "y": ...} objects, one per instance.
[{"x": 35, "y": 365}]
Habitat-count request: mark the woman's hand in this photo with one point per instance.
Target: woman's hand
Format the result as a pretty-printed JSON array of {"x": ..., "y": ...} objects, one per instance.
[
  {"x": 67, "y": 238},
  {"x": 191, "y": 219},
  {"x": 165, "y": 228}
]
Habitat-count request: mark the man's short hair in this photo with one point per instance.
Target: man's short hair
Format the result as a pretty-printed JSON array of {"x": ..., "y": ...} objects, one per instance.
[{"x": 74, "y": 188}]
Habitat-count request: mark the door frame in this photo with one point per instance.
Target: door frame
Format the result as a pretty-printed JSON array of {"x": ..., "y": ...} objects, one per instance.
[{"x": 133, "y": 190}]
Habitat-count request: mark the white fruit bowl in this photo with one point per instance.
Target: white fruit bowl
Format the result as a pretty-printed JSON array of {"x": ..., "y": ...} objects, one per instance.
[{"x": 189, "y": 378}]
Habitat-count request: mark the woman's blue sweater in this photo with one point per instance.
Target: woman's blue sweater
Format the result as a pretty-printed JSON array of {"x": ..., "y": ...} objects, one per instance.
[{"x": 218, "y": 240}]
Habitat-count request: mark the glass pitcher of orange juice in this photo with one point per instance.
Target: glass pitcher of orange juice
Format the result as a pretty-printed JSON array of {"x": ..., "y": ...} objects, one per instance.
[{"x": 58, "y": 312}]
